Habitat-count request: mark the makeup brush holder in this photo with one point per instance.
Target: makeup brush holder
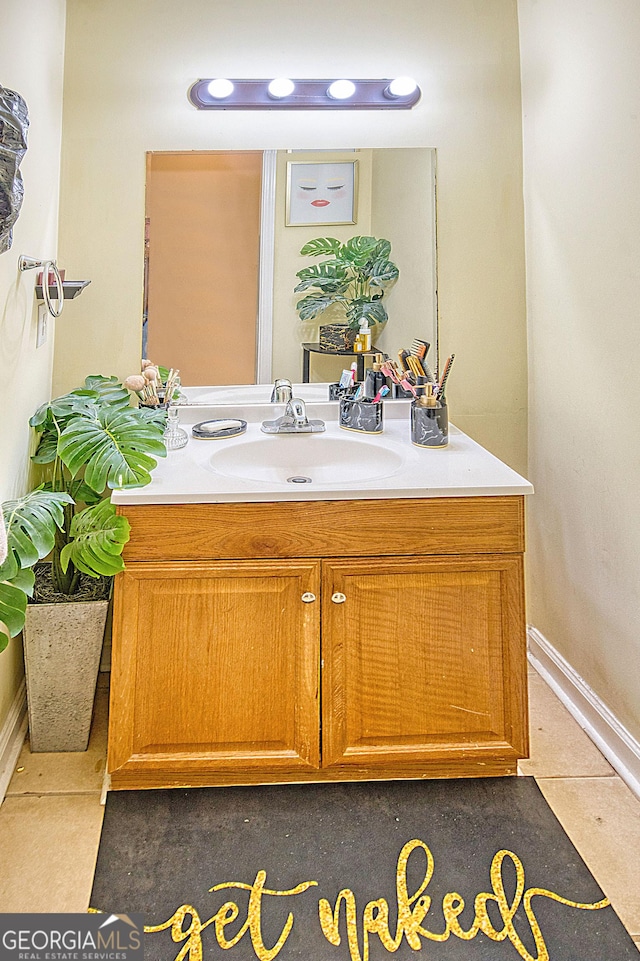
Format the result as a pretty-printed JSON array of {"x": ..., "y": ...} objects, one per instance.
[
  {"x": 161, "y": 405},
  {"x": 429, "y": 425},
  {"x": 360, "y": 415}
]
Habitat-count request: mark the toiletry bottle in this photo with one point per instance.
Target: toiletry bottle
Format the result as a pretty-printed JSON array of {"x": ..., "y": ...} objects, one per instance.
[
  {"x": 364, "y": 335},
  {"x": 379, "y": 379},
  {"x": 431, "y": 399}
]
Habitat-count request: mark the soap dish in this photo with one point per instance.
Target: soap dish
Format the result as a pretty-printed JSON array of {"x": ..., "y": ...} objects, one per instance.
[{"x": 219, "y": 429}]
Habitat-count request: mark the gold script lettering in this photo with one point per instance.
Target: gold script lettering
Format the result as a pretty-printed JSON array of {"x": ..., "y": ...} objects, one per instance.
[
  {"x": 411, "y": 912},
  {"x": 192, "y": 949}
]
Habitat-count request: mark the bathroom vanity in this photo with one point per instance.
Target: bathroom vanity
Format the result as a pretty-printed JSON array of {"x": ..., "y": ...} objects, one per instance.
[{"x": 367, "y": 624}]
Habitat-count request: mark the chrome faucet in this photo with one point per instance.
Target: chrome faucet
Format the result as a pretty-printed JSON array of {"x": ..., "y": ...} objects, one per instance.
[
  {"x": 282, "y": 392},
  {"x": 294, "y": 420}
]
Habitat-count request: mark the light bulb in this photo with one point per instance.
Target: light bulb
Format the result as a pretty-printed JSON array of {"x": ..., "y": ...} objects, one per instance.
[
  {"x": 401, "y": 87},
  {"x": 220, "y": 89},
  {"x": 281, "y": 87},
  {"x": 341, "y": 90}
]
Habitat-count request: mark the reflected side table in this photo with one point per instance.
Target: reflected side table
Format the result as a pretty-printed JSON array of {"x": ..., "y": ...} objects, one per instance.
[{"x": 308, "y": 349}]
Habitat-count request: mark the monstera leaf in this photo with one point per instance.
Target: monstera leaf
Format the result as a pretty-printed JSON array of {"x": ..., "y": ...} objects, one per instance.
[
  {"x": 313, "y": 304},
  {"x": 359, "y": 249},
  {"x": 114, "y": 447},
  {"x": 108, "y": 390},
  {"x": 13, "y": 605},
  {"x": 99, "y": 534},
  {"x": 62, "y": 408},
  {"x": 330, "y": 277},
  {"x": 31, "y": 524},
  {"x": 320, "y": 246},
  {"x": 382, "y": 273},
  {"x": 50, "y": 420},
  {"x": 365, "y": 308}
]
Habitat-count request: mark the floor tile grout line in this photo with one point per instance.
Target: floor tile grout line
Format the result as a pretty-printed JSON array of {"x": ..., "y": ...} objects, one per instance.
[
  {"x": 44, "y": 794},
  {"x": 574, "y": 777},
  {"x": 579, "y": 777}
]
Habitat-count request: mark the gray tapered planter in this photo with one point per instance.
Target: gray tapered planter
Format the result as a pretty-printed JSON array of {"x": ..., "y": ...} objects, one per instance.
[{"x": 62, "y": 646}]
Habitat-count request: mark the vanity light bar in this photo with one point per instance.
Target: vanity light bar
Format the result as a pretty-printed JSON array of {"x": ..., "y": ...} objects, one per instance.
[{"x": 232, "y": 94}]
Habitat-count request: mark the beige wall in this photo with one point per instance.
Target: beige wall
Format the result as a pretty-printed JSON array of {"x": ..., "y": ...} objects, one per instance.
[
  {"x": 128, "y": 69},
  {"x": 31, "y": 60},
  {"x": 403, "y": 211},
  {"x": 581, "y": 150}
]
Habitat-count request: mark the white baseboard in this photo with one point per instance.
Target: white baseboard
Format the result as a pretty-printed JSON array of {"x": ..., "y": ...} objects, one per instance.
[
  {"x": 621, "y": 750},
  {"x": 12, "y": 735}
]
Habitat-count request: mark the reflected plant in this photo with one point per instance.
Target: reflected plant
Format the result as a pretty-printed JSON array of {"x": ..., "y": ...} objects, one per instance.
[{"x": 356, "y": 277}]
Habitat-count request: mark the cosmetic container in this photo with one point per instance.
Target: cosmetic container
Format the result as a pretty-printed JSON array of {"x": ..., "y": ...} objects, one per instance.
[
  {"x": 174, "y": 436},
  {"x": 363, "y": 337},
  {"x": 379, "y": 379},
  {"x": 360, "y": 415},
  {"x": 429, "y": 425}
]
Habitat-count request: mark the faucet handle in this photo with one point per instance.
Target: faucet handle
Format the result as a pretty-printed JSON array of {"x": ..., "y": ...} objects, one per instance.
[{"x": 296, "y": 408}]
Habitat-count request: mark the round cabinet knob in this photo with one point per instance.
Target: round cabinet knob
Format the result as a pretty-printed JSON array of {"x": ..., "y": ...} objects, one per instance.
[
  {"x": 338, "y": 597},
  {"x": 308, "y": 597}
]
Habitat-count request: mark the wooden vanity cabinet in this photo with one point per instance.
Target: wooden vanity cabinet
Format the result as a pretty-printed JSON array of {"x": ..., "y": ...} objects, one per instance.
[
  {"x": 311, "y": 641},
  {"x": 216, "y": 668}
]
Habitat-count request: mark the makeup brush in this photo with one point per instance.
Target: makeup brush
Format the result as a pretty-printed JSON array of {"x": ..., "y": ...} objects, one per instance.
[
  {"x": 402, "y": 357},
  {"x": 415, "y": 365},
  {"x": 170, "y": 385}
]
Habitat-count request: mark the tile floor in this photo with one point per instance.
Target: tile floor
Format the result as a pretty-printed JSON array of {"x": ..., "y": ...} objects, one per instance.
[{"x": 51, "y": 818}]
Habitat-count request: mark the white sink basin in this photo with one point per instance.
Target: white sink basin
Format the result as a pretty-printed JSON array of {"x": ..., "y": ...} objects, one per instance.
[{"x": 307, "y": 459}]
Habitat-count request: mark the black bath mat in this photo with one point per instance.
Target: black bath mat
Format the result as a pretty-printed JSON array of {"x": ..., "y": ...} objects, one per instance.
[{"x": 367, "y": 848}]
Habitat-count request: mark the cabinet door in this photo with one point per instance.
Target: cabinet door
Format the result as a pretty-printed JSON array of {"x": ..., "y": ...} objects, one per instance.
[
  {"x": 423, "y": 661},
  {"x": 215, "y": 669}
]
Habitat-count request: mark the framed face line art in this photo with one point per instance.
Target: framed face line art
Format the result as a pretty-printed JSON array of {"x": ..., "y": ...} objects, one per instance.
[{"x": 321, "y": 193}]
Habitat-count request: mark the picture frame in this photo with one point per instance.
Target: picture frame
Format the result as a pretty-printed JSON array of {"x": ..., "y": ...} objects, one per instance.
[{"x": 321, "y": 193}]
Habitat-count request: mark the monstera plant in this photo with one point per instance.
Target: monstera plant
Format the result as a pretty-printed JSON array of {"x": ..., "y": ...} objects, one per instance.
[
  {"x": 355, "y": 278},
  {"x": 91, "y": 441}
]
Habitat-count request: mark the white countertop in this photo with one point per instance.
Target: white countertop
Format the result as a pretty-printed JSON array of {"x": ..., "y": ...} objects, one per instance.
[{"x": 200, "y": 472}]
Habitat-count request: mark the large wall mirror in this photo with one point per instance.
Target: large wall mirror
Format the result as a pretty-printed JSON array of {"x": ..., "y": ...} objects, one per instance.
[{"x": 223, "y": 249}]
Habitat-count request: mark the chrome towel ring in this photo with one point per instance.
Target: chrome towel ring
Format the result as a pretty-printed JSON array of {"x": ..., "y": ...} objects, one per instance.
[{"x": 28, "y": 263}]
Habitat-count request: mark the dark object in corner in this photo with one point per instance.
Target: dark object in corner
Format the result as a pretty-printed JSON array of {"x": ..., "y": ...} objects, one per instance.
[{"x": 14, "y": 123}]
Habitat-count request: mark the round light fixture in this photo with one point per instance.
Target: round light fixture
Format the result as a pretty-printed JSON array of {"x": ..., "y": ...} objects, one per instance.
[
  {"x": 281, "y": 87},
  {"x": 401, "y": 87},
  {"x": 220, "y": 89},
  {"x": 341, "y": 90}
]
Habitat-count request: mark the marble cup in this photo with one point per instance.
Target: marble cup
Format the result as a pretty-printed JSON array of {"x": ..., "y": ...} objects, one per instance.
[
  {"x": 361, "y": 415},
  {"x": 429, "y": 425}
]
